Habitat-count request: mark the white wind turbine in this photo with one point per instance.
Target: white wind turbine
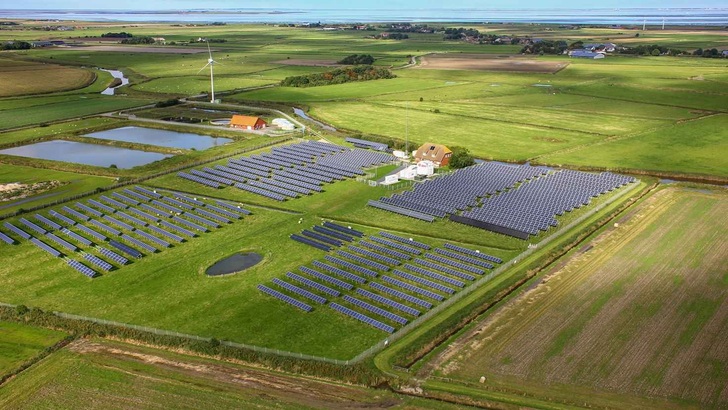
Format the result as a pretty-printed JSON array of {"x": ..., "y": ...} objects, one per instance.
[{"x": 211, "y": 63}]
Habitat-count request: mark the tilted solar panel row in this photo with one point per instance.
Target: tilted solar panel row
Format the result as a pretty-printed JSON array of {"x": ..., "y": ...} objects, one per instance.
[
  {"x": 88, "y": 209},
  {"x": 47, "y": 222},
  {"x": 144, "y": 214},
  {"x": 167, "y": 207},
  {"x": 348, "y": 172},
  {"x": 63, "y": 218},
  {"x": 313, "y": 284},
  {"x": 175, "y": 202},
  {"x": 75, "y": 214},
  {"x": 154, "y": 239},
  {"x": 22, "y": 233},
  {"x": 386, "y": 301},
  {"x": 99, "y": 205},
  {"x": 332, "y": 233},
  {"x": 211, "y": 177},
  {"x": 112, "y": 255},
  {"x": 270, "y": 162},
  {"x": 297, "y": 290},
  {"x": 33, "y": 226},
  {"x": 396, "y": 245},
  {"x": 202, "y": 220},
  {"x": 463, "y": 258},
  {"x": 81, "y": 268},
  {"x": 322, "y": 238},
  {"x": 277, "y": 159},
  {"x": 166, "y": 233},
  {"x": 456, "y": 264},
  {"x": 375, "y": 309},
  {"x": 286, "y": 186},
  {"x": 223, "y": 174},
  {"x": 147, "y": 192},
  {"x": 193, "y": 201},
  {"x": 413, "y": 207},
  {"x": 233, "y": 207},
  {"x": 335, "y": 270},
  {"x": 421, "y": 281},
  {"x": 257, "y": 164},
  {"x": 291, "y": 181},
  {"x": 272, "y": 188},
  {"x": 155, "y": 211},
  {"x": 105, "y": 227},
  {"x": 37, "y": 242},
  {"x": 189, "y": 224},
  {"x": 131, "y": 218},
  {"x": 363, "y": 318},
  {"x": 75, "y": 236},
  {"x": 256, "y": 190},
  {"x": 308, "y": 175},
  {"x": 473, "y": 253},
  {"x": 211, "y": 215},
  {"x": 118, "y": 223},
  {"x": 293, "y": 158},
  {"x": 136, "y": 195},
  {"x": 437, "y": 276},
  {"x": 326, "y": 278},
  {"x": 125, "y": 199},
  {"x": 445, "y": 269},
  {"x": 375, "y": 265},
  {"x": 323, "y": 175},
  {"x": 285, "y": 298},
  {"x": 309, "y": 242},
  {"x": 401, "y": 295},
  {"x": 388, "y": 251},
  {"x": 401, "y": 211},
  {"x": 298, "y": 176},
  {"x": 324, "y": 172},
  {"x": 7, "y": 239},
  {"x": 71, "y": 247},
  {"x": 413, "y": 288},
  {"x": 327, "y": 170},
  {"x": 176, "y": 228},
  {"x": 373, "y": 255},
  {"x": 98, "y": 261},
  {"x": 235, "y": 171},
  {"x": 256, "y": 173},
  {"x": 94, "y": 233},
  {"x": 137, "y": 242},
  {"x": 223, "y": 212},
  {"x": 195, "y": 178},
  {"x": 350, "y": 265},
  {"x": 113, "y": 202},
  {"x": 405, "y": 240},
  {"x": 343, "y": 229}
]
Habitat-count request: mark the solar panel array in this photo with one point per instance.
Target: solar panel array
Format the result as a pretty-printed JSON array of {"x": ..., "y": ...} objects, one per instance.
[
  {"x": 32, "y": 226},
  {"x": 350, "y": 265},
  {"x": 364, "y": 318},
  {"x": 302, "y": 292},
  {"x": 47, "y": 222},
  {"x": 438, "y": 276},
  {"x": 473, "y": 253},
  {"x": 76, "y": 237},
  {"x": 71, "y": 247},
  {"x": 17, "y": 230},
  {"x": 112, "y": 255},
  {"x": 421, "y": 281},
  {"x": 456, "y": 264},
  {"x": 405, "y": 240},
  {"x": 396, "y": 245},
  {"x": 327, "y": 278},
  {"x": 445, "y": 269},
  {"x": 464, "y": 258},
  {"x": 340, "y": 272},
  {"x": 374, "y": 309},
  {"x": 374, "y": 255},
  {"x": 66, "y": 220},
  {"x": 285, "y": 298},
  {"x": 365, "y": 261},
  {"x": 81, "y": 267},
  {"x": 7, "y": 239},
  {"x": 313, "y": 284},
  {"x": 51, "y": 250},
  {"x": 98, "y": 261},
  {"x": 388, "y": 302}
]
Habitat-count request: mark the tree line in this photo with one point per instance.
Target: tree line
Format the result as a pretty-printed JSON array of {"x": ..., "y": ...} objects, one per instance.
[
  {"x": 338, "y": 76},
  {"x": 357, "y": 59}
]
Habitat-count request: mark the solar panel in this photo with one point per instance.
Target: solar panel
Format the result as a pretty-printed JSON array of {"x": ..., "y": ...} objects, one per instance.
[
  {"x": 125, "y": 199},
  {"x": 176, "y": 228},
  {"x": 318, "y": 245},
  {"x": 77, "y": 237},
  {"x": 375, "y": 265},
  {"x": 350, "y": 265},
  {"x": 291, "y": 181},
  {"x": 98, "y": 261},
  {"x": 7, "y": 239},
  {"x": 47, "y": 222},
  {"x": 374, "y": 309},
  {"x": 332, "y": 233},
  {"x": 332, "y": 269},
  {"x": 401, "y": 211},
  {"x": 273, "y": 188},
  {"x": 131, "y": 218},
  {"x": 456, "y": 264},
  {"x": 189, "y": 224},
  {"x": 405, "y": 240},
  {"x": 421, "y": 281},
  {"x": 445, "y": 269},
  {"x": 322, "y": 238},
  {"x": 256, "y": 190},
  {"x": 395, "y": 245},
  {"x": 81, "y": 267},
  {"x": 144, "y": 214},
  {"x": 176, "y": 202},
  {"x": 118, "y": 223},
  {"x": 285, "y": 298},
  {"x": 286, "y": 186},
  {"x": 211, "y": 177},
  {"x": 385, "y": 259},
  {"x": 363, "y": 318},
  {"x": 136, "y": 195},
  {"x": 32, "y": 226},
  {"x": 112, "y": 255},
  {"x": 88, "y": 209},
  {"x": 193, "y": 201},
  {"x": 75, "y": 214},
  {"x": 344, "y": 229},
  {"x": 413, "y": 288},
  {"x": 302, "y": 292},
  {"x": 313, "y": 284},
  {"x": 167, "y": 233},
  {"x": 168, "y": 207},
  {"x": 236, "y": 171},
  {"x": 388, "y": 251},
  {"x": 105, "y": 227},
  {"x": 153, "y": 238},
  {"x": 113, "y": 202},
  {"x": 223, "y": 212},
  {"x": 437, "y": 276},
  {"x": 139, "y": 243},
  {"x": 22, "y": 233},
  {"x": 473, "y": 253},
  {"x": 388, "y": 302},
  {"x": 233, "y": 207},
  {"x": 92, "y": 232},
  {"x": 327, "y": 278},
  {"x": 202, "y": 220},
  {"x": 101, "y": 206},
  {"x": 61, "y": 242},
  {"x": 63, "y": 218},
  {"x": 212, "y": 216},
  {"x": 37, "y": 242},
  {"x": 226, "y": 176},
  {"x": 147, "y": 192},
  {"x": 463, "y": 258},
  {"x": 155, "y": 211}
]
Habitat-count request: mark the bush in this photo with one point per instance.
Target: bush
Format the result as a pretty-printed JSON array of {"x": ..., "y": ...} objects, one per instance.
[
  {"x": 461, "y": 158},
  {"x": 338, "y": 76},
  {"x": 356, "y": 59}
]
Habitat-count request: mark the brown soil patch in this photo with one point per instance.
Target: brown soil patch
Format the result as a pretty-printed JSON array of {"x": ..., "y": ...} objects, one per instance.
[
  {"x": 15, "y": 190},
  {"x": 488, "y": 63},
  {"x": 307, "y": 63},
  {"x": 134, "y": 49}
]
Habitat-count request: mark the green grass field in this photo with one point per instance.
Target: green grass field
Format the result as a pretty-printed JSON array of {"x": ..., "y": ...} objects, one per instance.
[{"x": 19, "y": 343}]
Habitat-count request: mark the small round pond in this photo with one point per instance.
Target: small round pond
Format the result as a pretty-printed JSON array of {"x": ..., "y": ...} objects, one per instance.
[{"x": 234, "y": 263}]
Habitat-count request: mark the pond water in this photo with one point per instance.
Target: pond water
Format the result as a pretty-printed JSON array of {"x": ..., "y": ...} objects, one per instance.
[
  {"x": 303, "y": 115},
  {"x": 88, "y": 154},
  {"x": 162, "y": 138},
  {"x": 234, "y": 263},
  {"x": 116, "y": 74}
]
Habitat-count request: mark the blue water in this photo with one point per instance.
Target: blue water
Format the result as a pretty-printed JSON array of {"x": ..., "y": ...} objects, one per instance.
[
  {"x": 162, "y": 138},
  {"x": 653, "y": 16}
]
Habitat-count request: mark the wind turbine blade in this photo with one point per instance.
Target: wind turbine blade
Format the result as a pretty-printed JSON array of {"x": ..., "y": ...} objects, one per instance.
[
  {"x": 208, "y": 48},
  {"x": 203, "y": 68}
]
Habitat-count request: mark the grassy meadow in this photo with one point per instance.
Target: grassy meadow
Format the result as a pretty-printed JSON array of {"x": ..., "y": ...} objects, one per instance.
[{"x": 19, "y": 343}]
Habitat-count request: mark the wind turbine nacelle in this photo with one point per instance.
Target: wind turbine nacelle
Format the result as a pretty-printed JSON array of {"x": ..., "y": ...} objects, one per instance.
[{"x": 210, "y": 61}]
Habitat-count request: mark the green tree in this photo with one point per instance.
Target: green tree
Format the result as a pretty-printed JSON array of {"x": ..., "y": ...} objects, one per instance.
[{"x": 461, "y": 158}]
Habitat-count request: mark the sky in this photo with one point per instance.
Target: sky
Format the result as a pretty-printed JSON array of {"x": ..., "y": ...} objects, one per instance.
[{"x": 368, "y": 4}]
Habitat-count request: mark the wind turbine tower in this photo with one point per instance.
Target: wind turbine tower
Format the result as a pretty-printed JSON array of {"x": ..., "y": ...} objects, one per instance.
[{"x": 211, "y": 63}]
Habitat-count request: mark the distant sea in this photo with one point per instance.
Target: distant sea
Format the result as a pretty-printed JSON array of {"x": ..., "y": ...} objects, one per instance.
[{"x": 672, "y": 16}]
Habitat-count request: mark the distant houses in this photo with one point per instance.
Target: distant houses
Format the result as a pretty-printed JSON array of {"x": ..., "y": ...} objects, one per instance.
[
  {"x": 247, "y": 123},
  {"x": 437, "y": 153},
  {"x": 585, "y": 54}
]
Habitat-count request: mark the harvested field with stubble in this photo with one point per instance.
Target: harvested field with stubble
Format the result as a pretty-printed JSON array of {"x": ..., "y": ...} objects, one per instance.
[
  {"x": 640, "y": 311},
  {"x": 487, "y": 62},
  {"x": 27, "y": 78}
]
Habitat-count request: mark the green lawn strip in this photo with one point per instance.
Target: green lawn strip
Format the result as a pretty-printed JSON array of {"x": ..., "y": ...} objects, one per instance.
[{"x": 20, "y": 343}]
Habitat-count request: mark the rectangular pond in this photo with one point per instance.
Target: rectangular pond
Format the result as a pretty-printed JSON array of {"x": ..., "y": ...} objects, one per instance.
[
  {"x": 162, "y": 138},
  {"x": 88, "y": 154}
]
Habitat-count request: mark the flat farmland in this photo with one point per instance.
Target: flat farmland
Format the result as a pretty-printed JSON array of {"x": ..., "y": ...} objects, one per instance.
[
  {"x": 27, "y": 78},
  {"x": 641, "y": 311},
  {"x": 19, "y": 343},
  {"x": 489, "y": 63}
]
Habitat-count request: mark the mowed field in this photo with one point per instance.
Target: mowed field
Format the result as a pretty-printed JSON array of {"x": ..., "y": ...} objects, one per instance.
[
  {"x": 26, "y": 78},
  {"x": 19, "y": 343},
  {"x": 639, "y": 311}
]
